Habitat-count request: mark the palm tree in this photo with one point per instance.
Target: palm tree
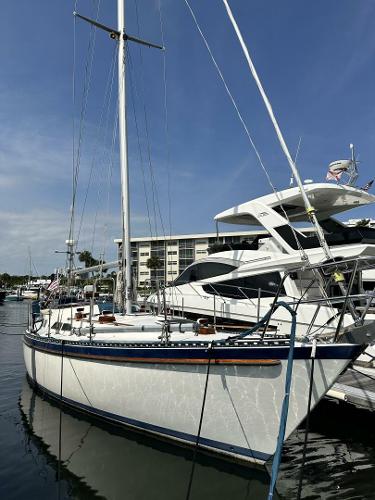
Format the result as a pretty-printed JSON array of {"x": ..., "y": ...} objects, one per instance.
[
  {"x": 363, "y": 223},
  {"x": 86, "y": 257},
  {"x": 154, "y": 262}
]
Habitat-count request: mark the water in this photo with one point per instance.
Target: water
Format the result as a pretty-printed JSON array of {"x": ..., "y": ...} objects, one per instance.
[{"x": 101, "y": 461}]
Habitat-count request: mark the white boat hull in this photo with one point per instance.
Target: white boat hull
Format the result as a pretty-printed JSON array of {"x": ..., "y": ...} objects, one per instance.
[{"x": 243, "y": 403}]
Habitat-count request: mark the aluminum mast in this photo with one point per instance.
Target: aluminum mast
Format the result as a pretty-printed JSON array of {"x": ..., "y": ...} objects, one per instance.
[
  {"x": 125, "y": 203},
  {"x": 310, "y": 210}
]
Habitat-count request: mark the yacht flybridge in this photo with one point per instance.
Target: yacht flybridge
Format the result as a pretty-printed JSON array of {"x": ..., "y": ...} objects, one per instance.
[{"x": 238, "y": 285}]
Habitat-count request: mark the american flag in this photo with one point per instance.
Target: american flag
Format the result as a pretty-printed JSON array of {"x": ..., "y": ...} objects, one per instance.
[
  {"x": 334, "y": 175},
  {"x": 367, "y": 186},
  {"x": 54, "y": 284}
]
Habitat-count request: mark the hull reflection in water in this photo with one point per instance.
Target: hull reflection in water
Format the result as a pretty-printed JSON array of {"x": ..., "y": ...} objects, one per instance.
[
  {"x": 99, "y": 460},
  {"x": 340, "y": 460}
]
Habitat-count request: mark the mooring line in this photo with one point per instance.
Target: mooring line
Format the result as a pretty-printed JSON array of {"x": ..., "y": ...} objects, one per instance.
[
  {"x": 313, "y": 354},
  {"x": 60, "y": 421},
  {"x": 209, "y": 351}
]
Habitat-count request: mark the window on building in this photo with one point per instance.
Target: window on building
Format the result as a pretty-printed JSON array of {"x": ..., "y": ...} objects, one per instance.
[
  {"x": 172, "y": 263},
  {"x": 232, "y": 239},
  {"x": 186, "y": 253},
  {"x": 203, "y": 270},
  {"x": 144, "y": 254},
  {"x": 247, "y": 287},
  {"x": 184, "y": 263},
  {"x": 201, "y": 242},
  {"x": 172, "y": 252},
  {"x": 201, "y": 251},
  {"x": 144, "y": 273}
]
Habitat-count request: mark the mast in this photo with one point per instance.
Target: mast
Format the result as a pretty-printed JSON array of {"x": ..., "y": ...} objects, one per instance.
[
  {"x": 310, "y": 210},
  {"x": 125, "y": 203},
  {"x": 121, "y": 37}
]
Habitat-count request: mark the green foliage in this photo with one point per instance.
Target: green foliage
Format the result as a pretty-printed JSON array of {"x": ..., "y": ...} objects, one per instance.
[
  {"x": 86, "y": 257},
  {"x": 215, "y": 247},
  {"x": 8, "y": 281},
  {"x": 154, "y": 263},
  {"x": 363, "y": 223}
]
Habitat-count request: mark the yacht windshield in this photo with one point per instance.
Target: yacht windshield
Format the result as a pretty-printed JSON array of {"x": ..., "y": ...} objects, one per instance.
[
  {"x": 247, "y": 286},
  {"x": 203, "y": 270}
]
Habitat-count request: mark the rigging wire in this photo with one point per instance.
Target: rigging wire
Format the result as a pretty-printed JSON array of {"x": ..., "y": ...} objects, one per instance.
[
  {"x": 109, "y": 158},
  {"x": 109, "y": 182},
  {"x": 154, "y": 190},
  {"x": 71, "y": 224},
  {"x": 168, "y": 144},
  {"x": 166, "y": 128},
  {"x": 99, "y": 133},
  {"x": 132, "y": 92},
  {"x": 85, "y": 93},
  {"x": 139, "y": 98},
  {"x": 246, "y": 129}
]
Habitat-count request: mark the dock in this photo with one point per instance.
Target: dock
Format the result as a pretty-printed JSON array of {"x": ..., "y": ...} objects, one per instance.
[{"x": 356, "y": 386}]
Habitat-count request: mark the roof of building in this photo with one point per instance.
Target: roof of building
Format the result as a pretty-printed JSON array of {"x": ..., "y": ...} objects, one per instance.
[{"x": 196, "y": 236}]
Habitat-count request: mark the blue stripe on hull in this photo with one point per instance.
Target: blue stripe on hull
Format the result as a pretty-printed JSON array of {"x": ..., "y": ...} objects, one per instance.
[
  {"x": 330, "y": 351},
  {"x": 220, "y": 447}
]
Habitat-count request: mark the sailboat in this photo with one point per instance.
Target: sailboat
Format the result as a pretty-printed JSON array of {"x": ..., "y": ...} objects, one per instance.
[{"x": 226, "y": 394}]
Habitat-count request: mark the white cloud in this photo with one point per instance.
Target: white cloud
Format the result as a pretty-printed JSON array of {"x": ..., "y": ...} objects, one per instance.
[{"x": 46, "y": 231}]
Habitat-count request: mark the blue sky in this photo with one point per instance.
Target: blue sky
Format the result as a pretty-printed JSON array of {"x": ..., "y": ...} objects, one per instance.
[{"x": 316, "y": 61}]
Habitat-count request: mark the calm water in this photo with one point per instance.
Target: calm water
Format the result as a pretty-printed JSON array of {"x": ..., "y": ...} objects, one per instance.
[{"x": 98, "y": 461}]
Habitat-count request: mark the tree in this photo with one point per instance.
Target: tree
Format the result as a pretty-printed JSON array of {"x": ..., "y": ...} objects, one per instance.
[
  {"x": 215, "y": 247},
  {"x": 154, "y": 262},
  {"x": 86, "y": 257},
  {"x": 363, "y": 223}
]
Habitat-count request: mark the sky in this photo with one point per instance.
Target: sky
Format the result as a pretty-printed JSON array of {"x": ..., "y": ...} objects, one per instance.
[{"x": 58, "y": 96}]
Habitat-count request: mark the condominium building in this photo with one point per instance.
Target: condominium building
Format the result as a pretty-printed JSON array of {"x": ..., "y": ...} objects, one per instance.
[{"x": 175, "y": 252}]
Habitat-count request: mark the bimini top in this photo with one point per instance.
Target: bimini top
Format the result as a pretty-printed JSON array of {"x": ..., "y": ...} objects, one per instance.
[{"x": 327, "y": 199}]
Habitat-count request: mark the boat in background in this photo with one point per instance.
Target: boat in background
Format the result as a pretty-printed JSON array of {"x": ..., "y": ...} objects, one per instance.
[
  {"x": 237, "y": 284},
  {"x": 14, "y": 296}
]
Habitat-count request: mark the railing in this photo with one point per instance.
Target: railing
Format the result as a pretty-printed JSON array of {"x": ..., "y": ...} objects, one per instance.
[{"x": 325, "y": 275}]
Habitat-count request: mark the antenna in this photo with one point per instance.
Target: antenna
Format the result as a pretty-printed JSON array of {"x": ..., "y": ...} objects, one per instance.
[{"x": 353, "y": 169}]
